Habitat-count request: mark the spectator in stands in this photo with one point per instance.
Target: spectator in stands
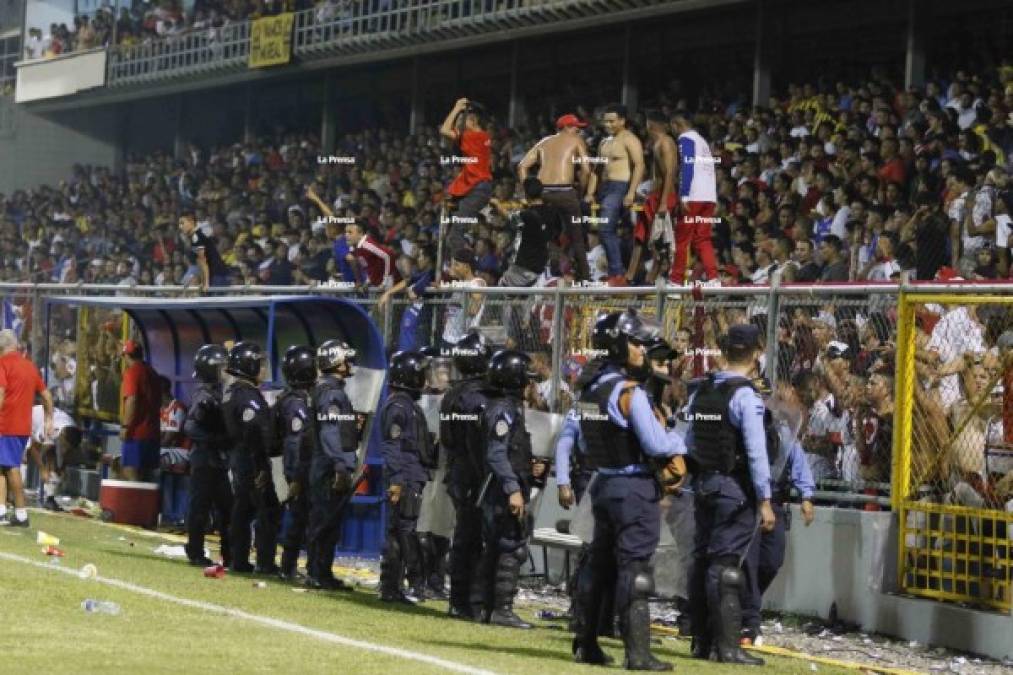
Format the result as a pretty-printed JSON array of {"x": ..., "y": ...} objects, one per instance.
[
  {"x": 464, "y": 311},
  {"x": 141, "y": 396},
  {"x": 835, "y": 268},
  {"x": 376, "y": 262},
  {"x": 875, "y": 424},
  {"x": 472, "y": 189}
]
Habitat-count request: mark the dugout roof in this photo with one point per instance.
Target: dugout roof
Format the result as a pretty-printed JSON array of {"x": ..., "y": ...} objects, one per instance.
[{"x": 172, "y": 329}]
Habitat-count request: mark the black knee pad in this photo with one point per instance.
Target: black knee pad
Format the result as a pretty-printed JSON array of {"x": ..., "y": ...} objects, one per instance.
[
  {"x": 521, "y": 554},
  {"x": 731, "y": 577},
  {"x": 643, "y": 584}
]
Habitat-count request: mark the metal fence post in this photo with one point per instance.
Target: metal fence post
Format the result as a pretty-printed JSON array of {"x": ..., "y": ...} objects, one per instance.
[
  {"x": 388, "y": 323},
  {"x": 557, "y": 348},
  {"x": 773, "y": 308},
  {"x": 659, "y": 301},
  {"x": 35, "y": 331}
]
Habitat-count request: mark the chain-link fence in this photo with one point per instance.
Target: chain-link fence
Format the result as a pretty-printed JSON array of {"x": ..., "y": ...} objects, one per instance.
[
  {"x": 836, "y": 350},
  {"x": 953, "y": 449}
]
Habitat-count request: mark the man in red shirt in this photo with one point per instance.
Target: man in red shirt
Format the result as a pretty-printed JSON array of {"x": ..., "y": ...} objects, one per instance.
[
  {"x": 20, "y": 381},
  {"x": 370, "y": 255},
  {"x": 141, "y": 398},
  {"x": 472, "y": 188}
]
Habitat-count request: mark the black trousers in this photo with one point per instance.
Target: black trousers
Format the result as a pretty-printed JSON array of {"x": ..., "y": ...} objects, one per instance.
[
  {"x": 251, "y": 503},
  {"x": 324, "y": 530},
  {"x": 210, "y": 493}
]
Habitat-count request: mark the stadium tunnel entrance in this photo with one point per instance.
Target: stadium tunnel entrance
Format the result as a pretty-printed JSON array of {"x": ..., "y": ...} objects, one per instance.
[{"x": 172, "y": 330}]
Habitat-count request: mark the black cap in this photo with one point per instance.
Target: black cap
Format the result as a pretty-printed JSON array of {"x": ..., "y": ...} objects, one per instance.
[{"x": 743, "y": 336}]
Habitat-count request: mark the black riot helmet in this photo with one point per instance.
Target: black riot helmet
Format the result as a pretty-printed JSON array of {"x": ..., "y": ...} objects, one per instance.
[
  {"x": 471, "y": 354},
  {"x": 509, "y": 371},
  {"x": 615, "y": 331},
  {"x": 299, "y": 366},
  {"x": 333, "y": 354},
  {"x": 408, "y": 371},
  {"x": 244, "y": 360},
  {"x": 208, "y": 362}
]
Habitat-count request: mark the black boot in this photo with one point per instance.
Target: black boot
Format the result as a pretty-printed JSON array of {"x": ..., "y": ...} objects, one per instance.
[
  {"x": 728, "y": 619},
  {"x": 590, "y": 654},
  {"x": 636, "y": 622},
  {"x": 392, "y": 572},
  {"x": 700, "y": 648},
  {"x": 289, "y": 565},
  {"x": 508, "y": 571}
]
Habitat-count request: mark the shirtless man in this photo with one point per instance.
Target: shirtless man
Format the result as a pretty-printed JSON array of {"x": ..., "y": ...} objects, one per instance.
[
  {"x": 663, "y": 198},
  {"x": 622, "y": 174},
  {"x": 557, "y": 156}
]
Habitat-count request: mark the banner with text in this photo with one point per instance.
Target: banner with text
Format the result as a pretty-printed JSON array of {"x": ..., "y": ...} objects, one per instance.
[{"x": 271, "y": 41}]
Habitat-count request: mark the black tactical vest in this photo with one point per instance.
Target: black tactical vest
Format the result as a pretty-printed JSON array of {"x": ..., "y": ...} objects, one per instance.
[
  {"x": 608, "y": 445},
  {"x": 718, "y": 446},
  {"x": 419, "y": 439}
]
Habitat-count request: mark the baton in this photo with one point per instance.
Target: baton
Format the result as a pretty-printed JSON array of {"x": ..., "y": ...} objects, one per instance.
[{"x": 485, "y": 488}]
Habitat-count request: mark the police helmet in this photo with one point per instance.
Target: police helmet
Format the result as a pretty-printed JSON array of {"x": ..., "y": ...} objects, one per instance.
[
  {"x": 208, "y": 362},
  {"x": 299, "y": 366},
  {"x": 408, "y": 370},
  {"x": 509, "y": 370},
  {"x": 333, "y": 354},
  {"x": 244, "y": 360},
  {"x": 613, "y": 333},
  {"x": 471, "y": 354}
]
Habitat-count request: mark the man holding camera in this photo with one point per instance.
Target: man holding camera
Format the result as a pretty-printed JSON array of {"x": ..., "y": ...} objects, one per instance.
[{"x": 472, "y": 188}]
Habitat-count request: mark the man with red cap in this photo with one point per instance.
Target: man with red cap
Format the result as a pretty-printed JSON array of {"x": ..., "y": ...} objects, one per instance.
[
  {"x": 141, "y": 399},
  {"x": 557, "y": 156}
]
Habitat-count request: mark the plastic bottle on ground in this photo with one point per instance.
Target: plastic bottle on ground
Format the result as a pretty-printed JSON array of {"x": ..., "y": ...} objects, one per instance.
[{"x": 100, "y": 607}]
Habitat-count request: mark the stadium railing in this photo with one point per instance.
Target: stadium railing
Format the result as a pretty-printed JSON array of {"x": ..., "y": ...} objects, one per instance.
[{"x": 346, "y": 28}]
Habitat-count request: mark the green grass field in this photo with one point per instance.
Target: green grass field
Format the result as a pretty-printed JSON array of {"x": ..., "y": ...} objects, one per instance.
[{"x": 47, "y": 631}]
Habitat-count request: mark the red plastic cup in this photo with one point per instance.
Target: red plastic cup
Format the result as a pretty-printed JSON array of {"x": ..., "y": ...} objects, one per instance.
[{"x": 214, "y": 572}]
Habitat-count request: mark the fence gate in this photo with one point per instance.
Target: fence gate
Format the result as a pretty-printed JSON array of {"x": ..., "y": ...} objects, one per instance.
[{"x": 953, "y": 460}]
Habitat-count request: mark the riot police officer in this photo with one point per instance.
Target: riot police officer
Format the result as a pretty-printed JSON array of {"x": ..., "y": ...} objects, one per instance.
[
  {"x": 506, "y": 489},
  {"x": 573, "y": 475},
  {"x": 210, "y": 491},
  {"x": 249, "y": 424},
  {"x": 333, "y": 463},
  {"x": 789, "y": 468},
  {"x": 624, "y": 440},
  {"x": 727, "y": 443},
  {"x": 408, "y": 454},
  {"x": 460, "y": 436},
  {"x": 294, "y": 423}
]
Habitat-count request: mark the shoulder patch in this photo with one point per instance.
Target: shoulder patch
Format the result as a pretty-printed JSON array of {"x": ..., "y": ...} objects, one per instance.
[
  {"x": 395, "y": 431},
  {"x": 195, "y": 238},
  {"x": 296, "y": 424},
  {"x": 501, "y": 428},
  {"x": 249, "y": 414},
  {"x": 334, "y": 410}
]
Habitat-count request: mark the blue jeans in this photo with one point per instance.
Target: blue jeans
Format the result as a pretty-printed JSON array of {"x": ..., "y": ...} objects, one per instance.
[{"x": 610, "y": 196}]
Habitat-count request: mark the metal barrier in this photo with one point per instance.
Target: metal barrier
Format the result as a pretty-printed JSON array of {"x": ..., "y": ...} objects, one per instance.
[
  {"x": 952, "y": 456},
  {"x": 334, "y": 28}
]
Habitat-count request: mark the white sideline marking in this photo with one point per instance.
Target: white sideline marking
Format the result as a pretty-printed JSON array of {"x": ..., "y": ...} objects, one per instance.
[{"x": 256, "y": 618}]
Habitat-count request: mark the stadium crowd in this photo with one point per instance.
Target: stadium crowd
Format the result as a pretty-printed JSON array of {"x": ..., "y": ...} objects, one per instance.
[
  {"x": 850, "y": 182},
  {"x": 146, "y": 22}
]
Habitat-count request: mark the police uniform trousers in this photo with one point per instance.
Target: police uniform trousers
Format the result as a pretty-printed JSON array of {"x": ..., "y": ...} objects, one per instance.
[
  {"x": 252, "y": 503},
  {"x": 401, "y": 554},
  {"x": 726, "y": 524},
  {"x": 210, "y": 492},
  {"x": 465, "y": 548},
  {"x": 326, "y": 513},
  {"x": 579, "y": 481},
  {"x": 627, "y": 529},
  {"x": 504, "y": 550},
  {"x": 764, "y": 560},
  {"x": 294, "y": 538}
]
